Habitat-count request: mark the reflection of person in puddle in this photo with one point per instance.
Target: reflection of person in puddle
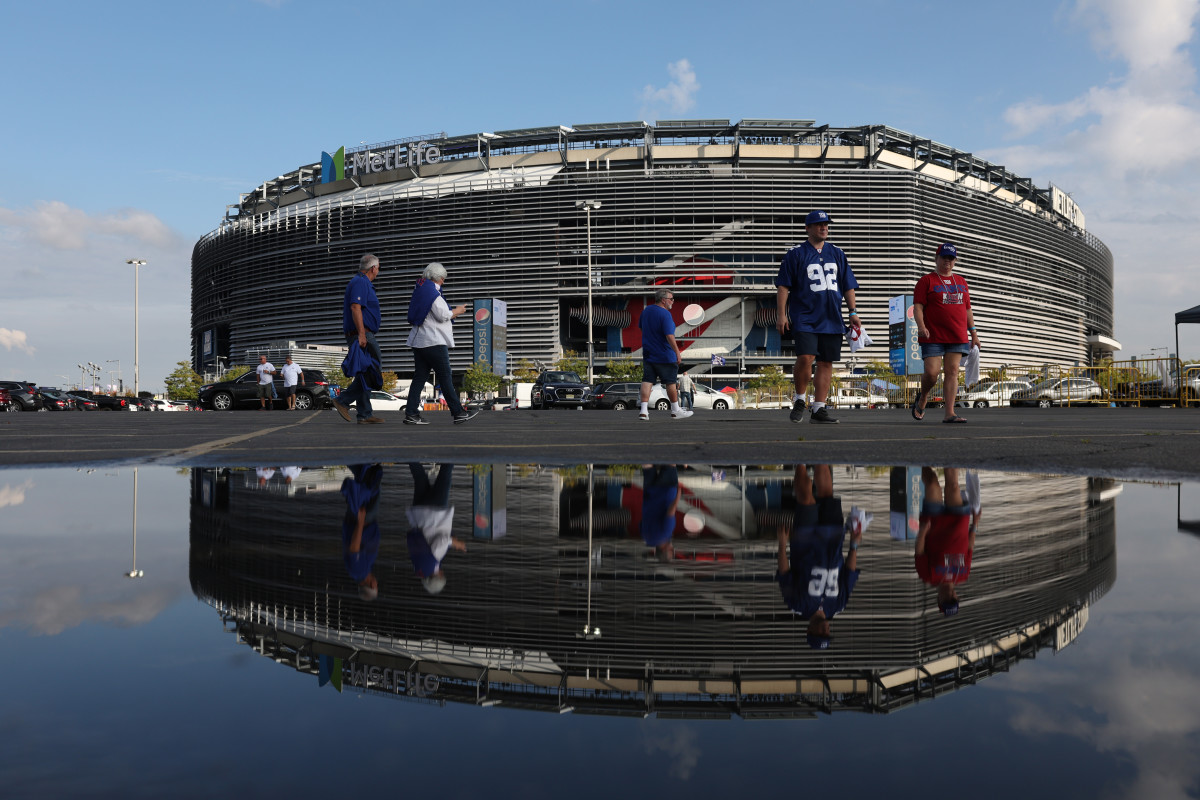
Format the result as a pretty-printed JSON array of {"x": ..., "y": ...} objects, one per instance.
[
  {"x": 660, "y": 499},
  {"x": 360, "y": 530},
  {"x": 432, "y": 518},
  {"x": 264, "y": 474},
  {"x": 816, "y": 581},
  {"x": 290, "y": 474},
  {"x": 946, "y": 538}
]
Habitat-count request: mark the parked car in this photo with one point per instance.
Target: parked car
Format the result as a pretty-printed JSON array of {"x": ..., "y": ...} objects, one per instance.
[
  {"x": 6, "y": 403},
  {"x": 704, "y": 398},
  {"x": 243, "y": 392},
  {"x": 53, "y": 400},
  {"x": 855, "y": 397},
  {"x": 1057, "y": 392},
  {"x": 386, "y": 401},
  {"x": 617, "y": 396},
  {"x": 555, "y": 388},
  {"x": 1152, "y": 392},
  {"x": 83, "y": 403},
  {"x": 111, "y": 402},
  {"x": 23, "y": 395},
  {"x": 994, "y": 393}
]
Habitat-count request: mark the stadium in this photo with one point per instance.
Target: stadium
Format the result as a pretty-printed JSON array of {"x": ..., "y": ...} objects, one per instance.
[{"x": 558, "y": 219}]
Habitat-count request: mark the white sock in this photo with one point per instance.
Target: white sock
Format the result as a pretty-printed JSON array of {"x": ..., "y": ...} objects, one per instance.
[
  {"x": 674, "y": 407},
  {"x": 646, "y": 408},
  {"x": 796, "y": 397},
  {"x": 817, "y": 406}
]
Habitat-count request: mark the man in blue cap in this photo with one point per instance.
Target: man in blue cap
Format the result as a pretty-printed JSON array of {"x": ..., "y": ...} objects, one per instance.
[{"x": 812, "y": 280}]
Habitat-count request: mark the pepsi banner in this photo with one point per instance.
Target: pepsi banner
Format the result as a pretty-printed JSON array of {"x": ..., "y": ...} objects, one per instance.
[
  {"x": 904, "y": 351},
  {"x": 490, "y": 335}
]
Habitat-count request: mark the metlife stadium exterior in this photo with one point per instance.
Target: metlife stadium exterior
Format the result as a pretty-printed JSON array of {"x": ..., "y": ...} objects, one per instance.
[{"x": 707, "y": 207}]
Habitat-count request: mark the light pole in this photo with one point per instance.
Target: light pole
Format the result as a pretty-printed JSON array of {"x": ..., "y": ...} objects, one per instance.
[
  {"x": 134, "y": 572},
  {"x": 137, "y": 262},
  {"x": 589, "y": 206},
  {"x": 120, "y": 380}
]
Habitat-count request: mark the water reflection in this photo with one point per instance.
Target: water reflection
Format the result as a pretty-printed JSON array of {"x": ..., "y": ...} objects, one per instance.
[{"x": 700, "y": 590}]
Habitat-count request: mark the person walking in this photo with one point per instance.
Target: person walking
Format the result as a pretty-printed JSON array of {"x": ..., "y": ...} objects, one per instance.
[
  {"x": 812, "y": 281},
  {"x": 945, "y": 329},
  {"x": 360, "y": 323},
  {"x": 660, "y": 354},
  {"x": 292, "y": 375},
  {"x": 265, "y": 370},
  {"x": 431, "y": 338},
  {"x": 687, "y": 396}
]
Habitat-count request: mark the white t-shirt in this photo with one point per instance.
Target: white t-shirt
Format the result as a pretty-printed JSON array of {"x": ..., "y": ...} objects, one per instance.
[
  {"x": 264, "y": 373},
  {"x": 291, "y": 374}
]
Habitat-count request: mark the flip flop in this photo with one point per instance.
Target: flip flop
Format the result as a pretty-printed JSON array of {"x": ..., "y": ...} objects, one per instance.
[
  {"x": 918, "y": 415},
  {"x": 955, "y": 418}
]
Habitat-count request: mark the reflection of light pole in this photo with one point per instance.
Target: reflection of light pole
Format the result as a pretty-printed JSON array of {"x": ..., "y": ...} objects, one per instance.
[
  {"x": 589, "y": 206},
  {"x": 137, "y": 262},
  {"x": 134, "y": 572},
  {"x": 588, "y": 631}
]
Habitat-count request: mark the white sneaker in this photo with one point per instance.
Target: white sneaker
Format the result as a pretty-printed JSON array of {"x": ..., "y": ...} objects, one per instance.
[
  {"x": 682, "y": 413},
  {"x": 644, "y": 417}
]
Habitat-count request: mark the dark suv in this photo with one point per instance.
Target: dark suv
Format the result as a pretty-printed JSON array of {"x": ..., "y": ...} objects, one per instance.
[
  {"x": 559, "y": 389},
  {"x": 23, "y": 394},
  {"x": 243, "y": 392},
  {"x": 617, "y": 396}
]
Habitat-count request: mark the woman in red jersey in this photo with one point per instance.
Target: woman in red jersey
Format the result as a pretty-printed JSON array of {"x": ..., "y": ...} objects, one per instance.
[{"x": 945, "y": 329}]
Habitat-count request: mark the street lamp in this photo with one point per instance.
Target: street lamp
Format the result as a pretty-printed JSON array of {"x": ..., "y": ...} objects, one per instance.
[
  {"x": 120, "y": 381},
  {"x": 134, "y": 572},
  {"x": 589, "y": 206},
  {"x": 137, "y": 262}
]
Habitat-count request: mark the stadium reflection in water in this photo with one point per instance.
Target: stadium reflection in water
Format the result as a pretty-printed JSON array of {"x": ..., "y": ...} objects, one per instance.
[{"x": 672, "y": 591}]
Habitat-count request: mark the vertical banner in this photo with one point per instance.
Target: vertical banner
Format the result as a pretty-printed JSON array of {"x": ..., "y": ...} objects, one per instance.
[
  {"x": 490, "y": 335},
  {"x": 489, "y": 493},
  {"x": 907, "y": 493},
  {"x": 904, "y": 351}
]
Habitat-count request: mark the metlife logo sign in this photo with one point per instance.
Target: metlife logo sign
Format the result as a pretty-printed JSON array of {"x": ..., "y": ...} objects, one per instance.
[{"x": 333, "y": 167}]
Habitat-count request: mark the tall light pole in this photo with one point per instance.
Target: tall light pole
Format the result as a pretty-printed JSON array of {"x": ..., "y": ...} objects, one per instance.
[
  {"x": 589, "y": 206},
  {"x": 137, "y": 262},
  {"x": 117, "y": 361}
]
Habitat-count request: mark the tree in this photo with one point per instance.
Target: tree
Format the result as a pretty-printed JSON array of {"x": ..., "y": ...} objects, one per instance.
[
  {"x": 770, "y": 380},
  {"x": 235, "y": 371},
  {"x": 624, "y": 369},
  {"x": 525, "y": 371},
  {"x": 480, "y": 379},
  {"x": 333, "y": 373},
  {"x": 183, "y": 383},
  {"x": 570, "y": 361},
  {"x": 390, "y": 379}
]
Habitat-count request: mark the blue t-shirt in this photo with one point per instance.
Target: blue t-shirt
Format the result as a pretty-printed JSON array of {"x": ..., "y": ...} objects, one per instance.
[
  {"x": 815, "y": 280},
  {"x": 361, "y": 292},
  {"x": 361, "y": 491},
  {"x": 657, "y": 324},
  {"x": 660, "y": 487}
]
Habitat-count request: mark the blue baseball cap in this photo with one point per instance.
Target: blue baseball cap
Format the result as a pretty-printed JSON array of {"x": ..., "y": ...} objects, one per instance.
[
  {"x": 948, "y": 250},
  {"x": 949, "y": 609},
  {"x": 816, "y": 217},
  {"x": 818, "y": 642}
]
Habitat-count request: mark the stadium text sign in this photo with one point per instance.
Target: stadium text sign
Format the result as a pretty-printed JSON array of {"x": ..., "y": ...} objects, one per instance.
[
  {"x": 402, "y": 155},
  {"x": 1065, "y": 207}
]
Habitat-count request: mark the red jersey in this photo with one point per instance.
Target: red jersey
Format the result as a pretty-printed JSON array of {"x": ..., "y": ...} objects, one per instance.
[
  {"x": 947, "y": 556},
  {"x": 946, "y": 301}
]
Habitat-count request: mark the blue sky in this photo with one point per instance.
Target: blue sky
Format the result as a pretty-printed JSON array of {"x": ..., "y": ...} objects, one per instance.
[{"x": 130, "y": 126}]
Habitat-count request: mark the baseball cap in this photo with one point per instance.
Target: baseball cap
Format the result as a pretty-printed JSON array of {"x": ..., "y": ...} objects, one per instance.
[
  {"x": 948, "y": 250},
  {"x": 819, "y": 642},
  {"x": 949, "y": 609},
  {"x": 815, "y": 217}
]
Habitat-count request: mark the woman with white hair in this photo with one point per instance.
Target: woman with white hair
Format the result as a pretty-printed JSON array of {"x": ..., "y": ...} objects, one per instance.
[{"x": 431, "y": 338}]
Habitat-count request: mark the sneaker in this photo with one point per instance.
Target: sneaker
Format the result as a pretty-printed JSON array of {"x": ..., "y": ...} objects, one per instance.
[
  {"x": 371, "y": 421},
  {"x": 343, "y": 410},
  {"x": 466, "y": 415},
  {"x": 417, "y": 420},
  {"x": 821, "y": 415},
  {"x": 644, "y": 416},
  {"x": 682, "y": 413},
  {"x": 797, "y": 411}
]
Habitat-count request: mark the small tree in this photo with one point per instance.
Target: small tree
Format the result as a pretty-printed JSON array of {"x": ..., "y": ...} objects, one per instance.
[
  {"x": 624, "y": 369},
  {"x": 390, "y": 379},
  {"x": 769, "y": 379},
  {"x": 571, "y": 362},
  {"x": 480, "y": 379},
  {"x": 525, "y": 371},
  {"x": 333, "y": 373},
  {"x": 183, "y": 383},
  {"x": 235, "y": 371}
]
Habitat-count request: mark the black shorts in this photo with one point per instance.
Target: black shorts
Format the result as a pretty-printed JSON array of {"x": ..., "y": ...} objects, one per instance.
[
  {"x": 825, "y": 346},
  {"x": 288, "y": 391},
  {"x": 667, "y": 373}
]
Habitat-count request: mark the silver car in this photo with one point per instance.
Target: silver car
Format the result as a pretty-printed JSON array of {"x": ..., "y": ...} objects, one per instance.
[
  {"x": 994, "y": 393},
  {"x": 1057, "y": 392}
]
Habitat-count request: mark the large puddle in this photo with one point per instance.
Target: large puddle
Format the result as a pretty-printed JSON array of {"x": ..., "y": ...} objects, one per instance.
[{"x": 369, "y": 626}]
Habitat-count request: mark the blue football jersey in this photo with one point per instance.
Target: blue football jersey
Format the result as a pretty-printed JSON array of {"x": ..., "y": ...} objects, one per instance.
[{"x": 815, "y": 280}]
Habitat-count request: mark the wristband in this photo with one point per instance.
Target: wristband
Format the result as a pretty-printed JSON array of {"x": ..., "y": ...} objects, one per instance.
[
  {"x": 971, "y": 328},
  {"x": 853, "y": 313},
  {"x": 853, "y": 546}
]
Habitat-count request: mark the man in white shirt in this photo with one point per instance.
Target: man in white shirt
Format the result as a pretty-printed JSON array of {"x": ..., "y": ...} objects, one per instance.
[
  {"x": 265, "y": 370},
  {"x": 292, "y": 374}
]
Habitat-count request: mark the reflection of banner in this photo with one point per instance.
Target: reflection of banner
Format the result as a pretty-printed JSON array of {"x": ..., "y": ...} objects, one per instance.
[
  {"x": 906, "y": 495},
  {"x": 490, "y": 500}
]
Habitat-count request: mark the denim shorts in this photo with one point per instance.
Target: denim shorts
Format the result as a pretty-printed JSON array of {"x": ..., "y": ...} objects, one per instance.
[
  {"x": 667, "y": 373},
  {"x": 935, "y": 350}
]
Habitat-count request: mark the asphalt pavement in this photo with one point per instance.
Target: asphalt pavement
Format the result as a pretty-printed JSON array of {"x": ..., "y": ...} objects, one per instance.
[{"x": 1117, "y": 442}]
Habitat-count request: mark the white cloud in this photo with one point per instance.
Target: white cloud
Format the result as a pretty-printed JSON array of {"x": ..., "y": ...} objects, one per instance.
[
  {"x": 15, "y": 339},
  {"x": 678, "y": 96},
  {"x": 1127, "y": 150},
  {"x": 58, "y": 226},
  {"x": 14, "y": 495},
  {"x": 681, "y": 748}
]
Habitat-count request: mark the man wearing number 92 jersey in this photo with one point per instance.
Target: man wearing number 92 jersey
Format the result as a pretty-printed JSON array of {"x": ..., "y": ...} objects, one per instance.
[{"x": 811, "y": 283}]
